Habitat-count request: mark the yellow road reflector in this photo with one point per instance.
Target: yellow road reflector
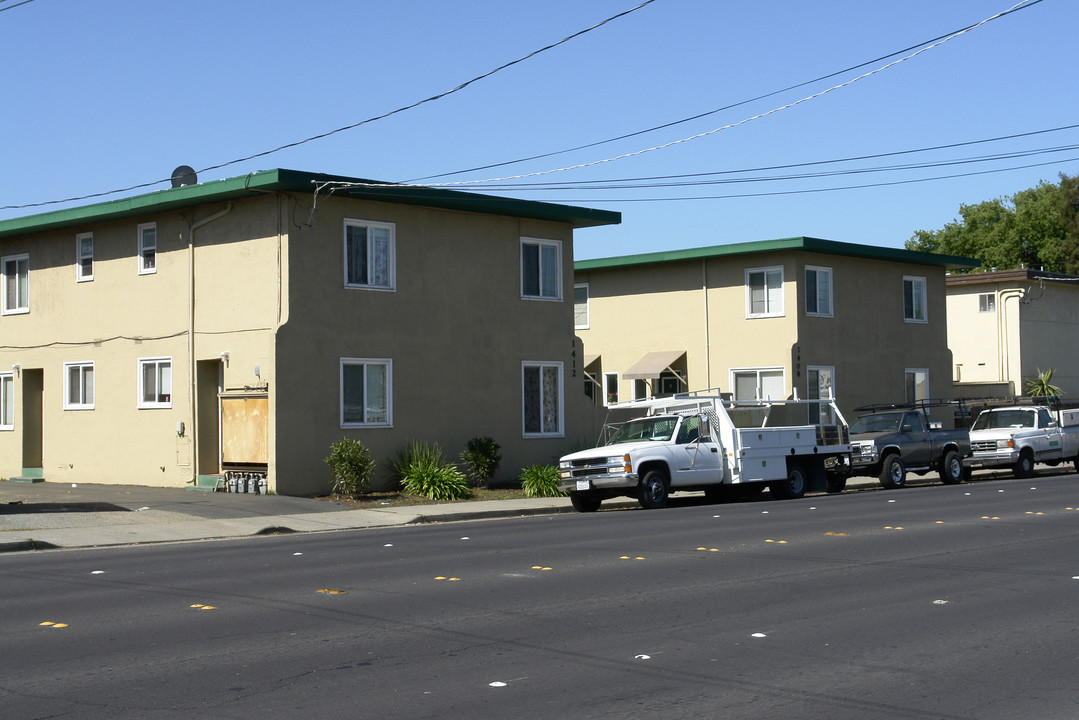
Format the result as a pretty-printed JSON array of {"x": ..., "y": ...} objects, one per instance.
[{"x": 331, "y": 591}]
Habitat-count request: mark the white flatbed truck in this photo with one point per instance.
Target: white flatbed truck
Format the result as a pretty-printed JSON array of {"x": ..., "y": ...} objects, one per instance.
[{"x": 700, "y": 441}]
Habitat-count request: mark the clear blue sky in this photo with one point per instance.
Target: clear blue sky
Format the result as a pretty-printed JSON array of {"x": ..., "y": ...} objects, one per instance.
[{"x": 110, "y": 94}]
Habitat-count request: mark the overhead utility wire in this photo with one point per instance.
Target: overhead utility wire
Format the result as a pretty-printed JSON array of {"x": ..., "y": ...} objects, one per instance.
[
  {"x": 698, "y": 116},
  {"x": 287, "y": 146},
  {"x": 833, "y": 161},
  {"x": 12, "y": 7},
  {"x": 707, "y": 133}
]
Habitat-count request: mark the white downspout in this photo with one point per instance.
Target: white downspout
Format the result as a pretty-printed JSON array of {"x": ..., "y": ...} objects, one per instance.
[
  {"x": 707, "y": 340},
  {"x": 1003, "y": 345}
]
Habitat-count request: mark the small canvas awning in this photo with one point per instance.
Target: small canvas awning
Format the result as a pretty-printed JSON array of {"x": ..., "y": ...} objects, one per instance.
[
  {"x": 652, "y": 365},
  {"x": 590, "y": 359}
]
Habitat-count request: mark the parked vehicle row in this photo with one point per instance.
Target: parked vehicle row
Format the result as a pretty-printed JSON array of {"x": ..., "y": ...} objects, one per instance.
[{"x": 701, "y": 441}]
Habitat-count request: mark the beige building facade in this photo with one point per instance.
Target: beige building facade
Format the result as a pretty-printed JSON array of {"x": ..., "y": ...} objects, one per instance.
[
  {"x": 798, "y": 316},
  {"x": 1005, "y": 326},
  {"x": 246, "y": 324}
]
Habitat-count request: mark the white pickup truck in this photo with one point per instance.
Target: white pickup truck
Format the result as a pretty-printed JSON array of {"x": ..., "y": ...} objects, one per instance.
[
  {"x": 696, "y": 441},
  {"x": 1019, "y": 436}
]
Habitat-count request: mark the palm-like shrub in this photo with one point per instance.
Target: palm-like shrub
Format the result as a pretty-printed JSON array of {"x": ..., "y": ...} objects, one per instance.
[
  {"x": 351, "y": 466},
  {"x": 481, "y": 458},
  {"x": 540, "y": 481},
  {"x": 421, "y": 470}
]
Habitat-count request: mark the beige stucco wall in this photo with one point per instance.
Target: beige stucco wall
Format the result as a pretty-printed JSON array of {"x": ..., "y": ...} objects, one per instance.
[
  {"x": 638, "y": 309},
  {"x": 1034, "y": 326},
  {"x": 455, "y": 328},
  {"x": 121, "y": 316}
]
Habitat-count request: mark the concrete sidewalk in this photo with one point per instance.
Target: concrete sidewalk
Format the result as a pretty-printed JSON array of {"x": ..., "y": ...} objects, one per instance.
[
  {"x": 37, "y": 516},
  {"x": 49, "y": 515}
]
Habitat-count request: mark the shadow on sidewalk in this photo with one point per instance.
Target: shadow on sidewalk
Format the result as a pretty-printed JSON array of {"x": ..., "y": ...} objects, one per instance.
[{"x": 20, "y": 508}]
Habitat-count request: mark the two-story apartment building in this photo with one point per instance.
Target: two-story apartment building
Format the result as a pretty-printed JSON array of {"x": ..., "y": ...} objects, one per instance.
[
  {"x": 798, "y": 316},
  {"x": 248, "y": 323},
  {"x": 1004, "y": 326}
]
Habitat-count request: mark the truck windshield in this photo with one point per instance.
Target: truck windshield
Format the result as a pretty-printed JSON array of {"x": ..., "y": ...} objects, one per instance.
[
  {"x": 880, "y": 423},
  {"x": 645, "y": 430},
  {"x": 991, "y": 419}
]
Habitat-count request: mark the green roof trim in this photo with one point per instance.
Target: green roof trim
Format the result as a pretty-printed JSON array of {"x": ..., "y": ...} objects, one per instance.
[
  {"x": 805, "y": 244},
  {"x": 296, "y": 181}
]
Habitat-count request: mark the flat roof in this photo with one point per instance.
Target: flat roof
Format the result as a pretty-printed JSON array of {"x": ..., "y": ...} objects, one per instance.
[
  {"x": 806, "y": 244},
  {"x": 296, "y": 181},
  {"x": 1010, "y": 276}
]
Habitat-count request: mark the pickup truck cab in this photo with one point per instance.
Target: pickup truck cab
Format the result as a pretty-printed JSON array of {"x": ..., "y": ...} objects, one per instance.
[
  {"x": 889, "y": 442},
  {"x": 1019, "y": 436}
]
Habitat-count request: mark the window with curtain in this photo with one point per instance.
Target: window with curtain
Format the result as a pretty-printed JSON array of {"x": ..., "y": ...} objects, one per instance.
[
  {"x": 542, "y": 399},
  {"x": 366, "y": 392},
  {"x": 758, "y": 384},
  {"x": 147, "y": 248},
  {"x": 7, "y": 401},
  {"x": 541, "y": 269},
  {"x": 155, "y": 382},
  {"x": 79, "y": 386},
  {"x": 764, "y": 292},
  {"x": 917, "y": 384},
  {"x": 369, "y": 255},
  {"x": 84, "y": 257},
  {"x": 914, "y": 299}
]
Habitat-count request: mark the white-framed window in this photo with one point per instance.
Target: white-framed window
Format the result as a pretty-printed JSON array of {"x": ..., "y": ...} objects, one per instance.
[
  {"x": 155, "y": 382},
  {"x": 764, "y": 292},
  {"x": 366, "y": 392},
  {"x": 370, "y": 256},
  {"x": 16, "y": 281},
  {"x": 758, "y": 384},
  {"x": 580, "y": 306},
  {"x": 914, "y": 299},
  {"x": 541, "y": 394},
  {"x": 987, "y": 302},
  {"x": 641, "y": 389},
  {"x": 78, "y": 386},
  {"x": 916, "y": 384},
  {"x": 610, "y": 388},
  {"x": 818, "y": 291},
  {"x": 84, "y": 257},
  {"x": 541, "y": 269},
  {"x": 147, "y": 233},
  {"x": 7, "y": 401}
]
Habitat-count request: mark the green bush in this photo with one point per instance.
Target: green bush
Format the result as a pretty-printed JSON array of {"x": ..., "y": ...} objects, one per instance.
[
  {"x": 540, "y": 481},
  {"x": 481, "y": 459},
  {"x": 351, "y": 466},
  {"x": 422, "y": 470}
]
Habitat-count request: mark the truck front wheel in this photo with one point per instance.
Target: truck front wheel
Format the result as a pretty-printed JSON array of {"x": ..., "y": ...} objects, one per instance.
[
  {"x": 584, "y": 503},
  {"x": 892, "y": 473},
  {"x": 652, "y": 491},
  {"x": 1024, "y": 466},
  {"x": 951, "y": 468}
]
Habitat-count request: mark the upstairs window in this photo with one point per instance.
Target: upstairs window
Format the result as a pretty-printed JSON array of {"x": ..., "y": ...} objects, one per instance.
[
  {"x": 819, "y": 291},
  {"x": 914, "y": 299},
  {"x": 16, "y": 281},
  {"x": 987, "y": 302},
  {"x": 84, "y": 257},
  {"x": 155, "y": 382},
  {"x": 764, "y": 292},
  {"x": 79, "y": 386},
  {"x": 369, "y": 255},
  {"x": 580, "y": 306},
  {"x": 541, "y": 269},
  {"x": 147, "y": 248}
]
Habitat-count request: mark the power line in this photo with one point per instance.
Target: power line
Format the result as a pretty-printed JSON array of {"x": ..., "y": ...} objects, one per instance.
[
  {"x": 12, "y": 7},
  {"x": 320, "y": 136},
  {"x": 698, "y": 116}
]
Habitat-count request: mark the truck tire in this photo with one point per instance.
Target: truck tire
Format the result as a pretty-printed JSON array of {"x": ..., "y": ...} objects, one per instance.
[
  {"x": 892, "y": 473},
  {"x": 951, "y": 468},
  {"x": 653, "y": 490},
  {"x": 1024, "y": 466},
  {"x": 836, "y": 483},
  {"x": 584, "y": 503},
  {"x": 793, "y": 487}
]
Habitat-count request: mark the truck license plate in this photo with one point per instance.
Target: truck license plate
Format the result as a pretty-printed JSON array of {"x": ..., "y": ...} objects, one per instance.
[{"x": 584, "y": 485}]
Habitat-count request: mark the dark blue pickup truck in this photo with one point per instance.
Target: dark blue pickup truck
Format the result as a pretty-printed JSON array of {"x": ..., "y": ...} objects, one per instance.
[{"x": 888, "y": 441}]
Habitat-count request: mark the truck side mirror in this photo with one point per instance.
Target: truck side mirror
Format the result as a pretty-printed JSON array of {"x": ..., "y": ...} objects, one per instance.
[
  {"x": 704, "y": 428},
  {"x": 906, "y": 428}
]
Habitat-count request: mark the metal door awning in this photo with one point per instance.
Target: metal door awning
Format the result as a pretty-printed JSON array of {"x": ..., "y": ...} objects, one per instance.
[{"x": 652, "y": 365}]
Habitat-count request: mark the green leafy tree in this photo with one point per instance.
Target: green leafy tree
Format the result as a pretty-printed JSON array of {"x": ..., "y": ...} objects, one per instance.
[{"x": 1037, "y": 227}]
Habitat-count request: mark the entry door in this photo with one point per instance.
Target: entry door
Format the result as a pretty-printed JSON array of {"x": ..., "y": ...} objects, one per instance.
[
  {"x": 821, "y": 379},
  {"x": 33, "y": 390}
]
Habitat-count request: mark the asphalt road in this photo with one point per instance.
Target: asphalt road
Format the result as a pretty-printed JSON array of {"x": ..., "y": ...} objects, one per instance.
[{"x": 929, "y": 602}]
